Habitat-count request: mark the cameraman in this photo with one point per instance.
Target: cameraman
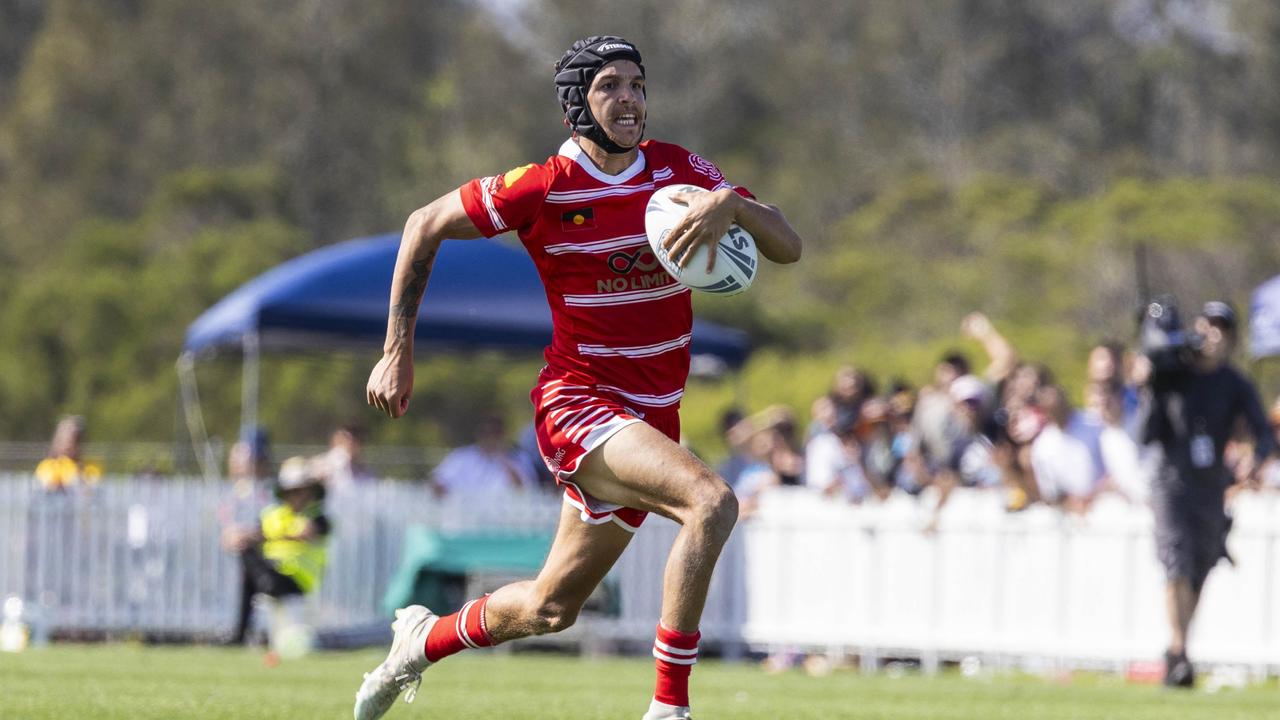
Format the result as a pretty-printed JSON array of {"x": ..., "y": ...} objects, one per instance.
[{"x": 1193, "y": 401}]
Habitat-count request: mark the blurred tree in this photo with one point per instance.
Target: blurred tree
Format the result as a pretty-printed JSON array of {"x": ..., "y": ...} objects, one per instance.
[{"x": 1004, "y": 155}]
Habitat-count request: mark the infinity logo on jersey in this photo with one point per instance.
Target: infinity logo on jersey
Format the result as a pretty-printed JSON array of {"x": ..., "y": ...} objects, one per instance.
[
  {"x": 623, "y": 262},
  {"x": 580, "y": 219}
]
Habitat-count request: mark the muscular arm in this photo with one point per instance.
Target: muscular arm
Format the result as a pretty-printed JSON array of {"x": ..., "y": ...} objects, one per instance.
[
  {"x": 775, "y": 238},
  {"x": 710, "y": 215},
  {"x": 391, "y": 382}
]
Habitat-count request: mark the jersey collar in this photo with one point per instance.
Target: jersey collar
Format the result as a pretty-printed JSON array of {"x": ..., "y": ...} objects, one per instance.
[{"x": 571, "y": 150}]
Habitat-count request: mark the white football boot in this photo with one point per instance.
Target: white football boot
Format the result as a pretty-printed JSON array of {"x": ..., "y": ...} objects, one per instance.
[
  {"x": 662, "y": 711},
  {"x": 402, "y": 670}
]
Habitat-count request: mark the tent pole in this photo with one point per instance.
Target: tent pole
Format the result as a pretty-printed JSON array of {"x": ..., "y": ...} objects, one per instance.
[
  {"x": 195, "y": 417},
  {"x": 249, "y": 384}
]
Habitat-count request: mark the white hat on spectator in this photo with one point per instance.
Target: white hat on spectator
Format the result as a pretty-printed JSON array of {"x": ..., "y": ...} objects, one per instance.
[
  {"x": 970, "y": 388},
  {"x": 297, "y": 472}
]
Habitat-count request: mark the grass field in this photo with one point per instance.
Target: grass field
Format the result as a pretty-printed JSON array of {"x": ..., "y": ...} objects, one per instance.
[{"x": 124, "y": 681}]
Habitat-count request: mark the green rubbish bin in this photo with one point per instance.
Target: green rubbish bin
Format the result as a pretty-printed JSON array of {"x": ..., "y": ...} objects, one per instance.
[{"x": 435, "y": 566}]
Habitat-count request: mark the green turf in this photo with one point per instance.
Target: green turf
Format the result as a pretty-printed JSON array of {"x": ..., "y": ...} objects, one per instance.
[{"x": 125, "y": 681}]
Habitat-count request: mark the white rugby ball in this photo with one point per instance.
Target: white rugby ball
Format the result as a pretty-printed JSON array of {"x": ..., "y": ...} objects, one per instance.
[{"x": 736, "y": 258}]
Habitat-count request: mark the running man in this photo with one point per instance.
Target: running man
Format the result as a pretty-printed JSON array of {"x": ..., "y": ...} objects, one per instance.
[{"x": 606, "y": 404}]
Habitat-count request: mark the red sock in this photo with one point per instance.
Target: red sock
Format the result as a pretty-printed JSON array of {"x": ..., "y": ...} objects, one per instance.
[
  {"x": 676, "y": 652},
  {"x": 459, "y": 631}
]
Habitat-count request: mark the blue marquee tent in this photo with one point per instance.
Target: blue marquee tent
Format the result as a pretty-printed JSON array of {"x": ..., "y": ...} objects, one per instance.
[{"x": 482, "y": 294}]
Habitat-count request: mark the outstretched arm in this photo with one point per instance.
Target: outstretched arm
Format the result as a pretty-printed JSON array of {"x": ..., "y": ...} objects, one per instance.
[
  {"x": 710, "y": 215},
  {"x": 391, "y": 382},
  {"x": 1003, "y": 356}
]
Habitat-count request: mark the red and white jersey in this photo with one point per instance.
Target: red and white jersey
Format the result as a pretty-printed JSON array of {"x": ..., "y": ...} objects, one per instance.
[{"x": 622, "y": 323}]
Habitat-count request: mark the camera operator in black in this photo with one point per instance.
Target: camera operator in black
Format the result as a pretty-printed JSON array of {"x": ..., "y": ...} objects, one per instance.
[{"x": 1193, "y": 402}]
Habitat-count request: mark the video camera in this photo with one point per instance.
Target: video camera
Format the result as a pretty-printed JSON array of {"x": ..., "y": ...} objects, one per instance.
[{"x": 1162, "y": 338}]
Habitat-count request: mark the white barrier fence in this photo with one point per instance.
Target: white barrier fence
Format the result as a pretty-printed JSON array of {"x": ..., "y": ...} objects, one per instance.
[
  {"x": 143, "y": 555},
  {"x": 1037, "y": 586},
  {"x": 137, "y": 555}
]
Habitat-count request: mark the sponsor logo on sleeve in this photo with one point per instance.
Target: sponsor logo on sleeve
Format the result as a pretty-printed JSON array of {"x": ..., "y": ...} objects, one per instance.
[{"x": 706, "y": 167}]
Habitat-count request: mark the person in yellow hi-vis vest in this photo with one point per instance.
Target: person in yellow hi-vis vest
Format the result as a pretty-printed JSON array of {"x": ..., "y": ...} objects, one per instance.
[
  {"x": 64, "y": 468},
  {"x": 285, "y": 554}
]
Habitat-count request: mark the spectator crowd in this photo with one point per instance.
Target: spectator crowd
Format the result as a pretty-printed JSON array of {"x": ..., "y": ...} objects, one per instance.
[{"x": 1009, "y": 427}]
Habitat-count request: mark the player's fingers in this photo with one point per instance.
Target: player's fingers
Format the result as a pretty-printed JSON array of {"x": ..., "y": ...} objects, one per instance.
[
  {"x": 679, "y": 198},
  {"x": 711, "y": 255},
  {"x": 677, "y": 231},
  {"x": 404, "y": 405},
  {"x": 691, "y": 247},
  {"x": 684, "y": 247}
]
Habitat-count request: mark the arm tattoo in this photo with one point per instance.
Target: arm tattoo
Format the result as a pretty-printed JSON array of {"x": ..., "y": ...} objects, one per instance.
[{"x": 405, "y": 312}]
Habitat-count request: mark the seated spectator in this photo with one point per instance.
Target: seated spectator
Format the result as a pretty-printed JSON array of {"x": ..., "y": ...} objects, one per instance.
[
  {"x": 490, "y": 466},
  {"x": 341, "y": 463},
  {"x": 833, "y": 461},
  {"x": 1062, "y": 463},
  {"x": 284, "y": 554},
  {"x": 64, "y": 467}
]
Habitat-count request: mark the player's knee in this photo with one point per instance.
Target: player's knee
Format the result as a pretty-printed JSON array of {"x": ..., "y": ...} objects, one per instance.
[{"x": 716, "y": 507}]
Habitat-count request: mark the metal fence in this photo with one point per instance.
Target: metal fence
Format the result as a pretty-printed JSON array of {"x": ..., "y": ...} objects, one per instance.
[{"x": 134, "y": 555}]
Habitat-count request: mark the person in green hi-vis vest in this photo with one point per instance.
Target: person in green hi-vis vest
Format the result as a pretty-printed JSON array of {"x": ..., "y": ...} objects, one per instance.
[{"x": 285, "y": 554}]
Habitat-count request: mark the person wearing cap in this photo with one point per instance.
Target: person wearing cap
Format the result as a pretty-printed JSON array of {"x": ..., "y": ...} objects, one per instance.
[
  {"x": 285, "y": 554},
  {"x": 606, "y": 404},
  {"x": 1192, "y": 411}
]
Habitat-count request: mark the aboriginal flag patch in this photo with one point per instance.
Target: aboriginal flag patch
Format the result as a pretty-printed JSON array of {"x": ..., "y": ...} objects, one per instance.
[{"x": 579, "y": 219}]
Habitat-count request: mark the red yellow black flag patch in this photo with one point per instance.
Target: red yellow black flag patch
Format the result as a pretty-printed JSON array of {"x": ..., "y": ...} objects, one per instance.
[{"x": 579, "y": 219}]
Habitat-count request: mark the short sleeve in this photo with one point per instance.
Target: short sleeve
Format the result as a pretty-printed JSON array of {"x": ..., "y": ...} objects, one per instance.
[
  {"x": 505, "y": 202},
  {"x": 704, "y": 173}
]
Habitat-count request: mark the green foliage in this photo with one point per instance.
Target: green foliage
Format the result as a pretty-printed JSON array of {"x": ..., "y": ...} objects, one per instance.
[{"x": 1010, "y": 157}]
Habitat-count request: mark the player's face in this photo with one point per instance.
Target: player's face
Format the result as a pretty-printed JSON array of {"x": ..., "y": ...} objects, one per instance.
[{"x": 616, "y": 100}]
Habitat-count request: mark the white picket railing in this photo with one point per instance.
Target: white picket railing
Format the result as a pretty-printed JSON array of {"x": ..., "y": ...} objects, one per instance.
[{"x": 142, "y": 555}]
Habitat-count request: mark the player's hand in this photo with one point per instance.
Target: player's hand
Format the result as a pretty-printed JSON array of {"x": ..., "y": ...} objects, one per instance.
[
  {"x": 708, "y": 219},
  {"x": 391, "y": 383}
]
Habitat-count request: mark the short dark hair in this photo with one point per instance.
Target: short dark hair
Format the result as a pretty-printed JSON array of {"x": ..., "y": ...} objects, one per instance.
[{"x": 957, "y": 360}]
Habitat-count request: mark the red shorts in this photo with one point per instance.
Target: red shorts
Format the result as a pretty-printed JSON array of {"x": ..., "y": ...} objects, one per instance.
[{"x": 572, "y": 420}]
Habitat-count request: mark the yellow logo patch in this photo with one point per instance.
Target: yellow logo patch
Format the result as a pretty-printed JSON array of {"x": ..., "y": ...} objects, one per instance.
[{"x": 513, "y": 176}]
